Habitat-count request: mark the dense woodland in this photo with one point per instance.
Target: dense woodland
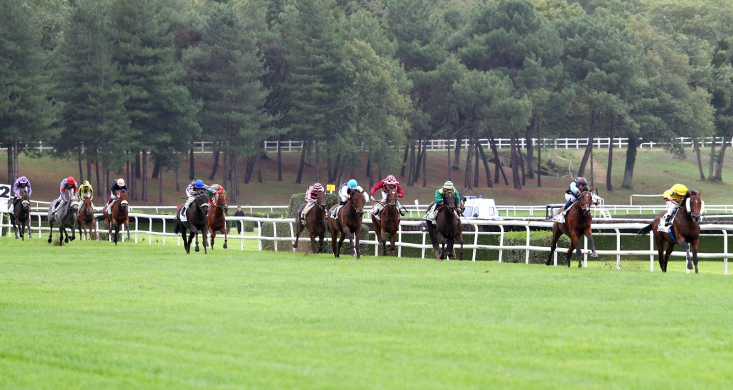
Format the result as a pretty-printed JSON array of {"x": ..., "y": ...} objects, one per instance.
[{"x": 115, "y": 84}]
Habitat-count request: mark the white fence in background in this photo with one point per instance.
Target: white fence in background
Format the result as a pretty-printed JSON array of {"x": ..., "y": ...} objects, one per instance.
[
  {"x": 445, "y": 144},
  {"x": 471, "y": 236}
]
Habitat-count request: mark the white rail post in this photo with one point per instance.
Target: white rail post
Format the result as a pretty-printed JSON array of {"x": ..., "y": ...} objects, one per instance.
[
  {"x": 725, "y": 249},
  {"x": 136, "y": 229},
  {"x": 475, "y": 241},
  {"x": 526, "y": 251},
  {"x": 292, "y": 235},
  {"x": 259, "y": 236},
  {"x": 274, "y": 235},
  {"x": 585, "y": 252},
  {"x": 651, "y": 256},
  {"x": 618, "y": 249},
  {"x": 164, "y": 231},
  {"x": 399, "y": 240},
  {"x": 501, "y": 242},
  {"x": 150, "y": 231},
  {"x": 423, "y": 245}
]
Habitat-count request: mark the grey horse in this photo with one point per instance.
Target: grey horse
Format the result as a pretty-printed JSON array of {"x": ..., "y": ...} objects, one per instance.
[{"x": 65, "y": 217}]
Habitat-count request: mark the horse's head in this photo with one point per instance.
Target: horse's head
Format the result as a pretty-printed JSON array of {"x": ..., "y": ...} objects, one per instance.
[
  {"x": 392, "y": 195},
  {"x": 223, "y": 202},
  {"x": 74, "y": 202},
  {"x": 450, "y": 199},
  {"x": 585, "y": 199},
  {"x": 88, "y": 209},
  {"x": 321, "y": 200},
  {"x": 25, "y": 198},
  {"x": 694, "y": 205},
  {"x": 357, "y": 201},
  {"x": 202, "y": 201},
  {"x": 122, "y": 196}
]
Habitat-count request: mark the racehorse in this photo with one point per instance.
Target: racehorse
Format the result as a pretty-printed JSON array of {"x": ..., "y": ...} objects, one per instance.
[
  {"x": 447, "y": 228},
  {"x": 577, "y": 223},
  {"x": 315, "y": 221},
  {"x": 685, "y": 230},
  {"x": 118, "y": 217},
  {"x": 22, "y": 215},
  {"x": 65, "y": 217},
  {"x": 388, "y": 222},
  {"x": 196, "y": 221},
  {"x": 86, "y": 217},
  {"x": 348, "y": 223},
  {"x": 216, "y": 219}
]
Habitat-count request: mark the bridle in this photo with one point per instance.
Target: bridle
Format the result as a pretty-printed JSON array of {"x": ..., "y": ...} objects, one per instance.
[{"x": 584, "y": 203}]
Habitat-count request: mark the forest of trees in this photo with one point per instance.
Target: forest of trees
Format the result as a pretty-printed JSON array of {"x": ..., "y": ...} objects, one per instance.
[{"x": 117, "y": 83}]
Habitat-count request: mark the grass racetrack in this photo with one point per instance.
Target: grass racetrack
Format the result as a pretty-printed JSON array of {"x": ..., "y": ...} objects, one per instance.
[{"x": 91, "y": 315}]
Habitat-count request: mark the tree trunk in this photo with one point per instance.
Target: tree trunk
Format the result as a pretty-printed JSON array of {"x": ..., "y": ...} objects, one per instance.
[
  {"x": 530, "y": 147},
  {"x": 419, "y": 159},
  {"x": 318, "y": 162},
  {"x": 178, "y": 187},
  {"x": 259, "y": 166},
  {"x": 696, "y": 146},
  {"x": 469, "y": 165},
  {"x": 145, "y": 175},
  {"x": 249, "y": 169},
  {"x": 411, "y": 176},
  {"x": 160, "y": 187},
  {"x": 404, "y": 159},
  {"x": 127, "y": 171},
  {"x": 191, "y": 170},
  {"x": 89, "y": 167},
  {"x": 515, "y": 162},
  {"x": 328, "y": 163},
  {"x": 424, "y": 169},
  {"x": 308, "y": 155},
  {"x": 133, "y": 177},
  {"x": 457, "y": 151},
  {"x": 334, "y": 174},
  {"x": 539, "y": 158},
  {"x": 449, "y": 169},
  {"x": 156, "y": 169},
  {"x": 105, "y": 180},
  {"x": 10, "y": 164},
  {"x": 371, "y": 174},
  {"x": 497, "y": 166},
  {"x": 301, "y": 165},
  {"x": 137, "y": 164},
  {"x": 711, "y": 173},
  {"x": 279, "y": 159},
  {"x": 489, "y": 183},
  {"x": 216, "y": 164},
  {"x": 81, "y": 168},
  {"x": 719, "y": 163},
  {"x": 609, "y": 185},
  {"x": 234, "y": 190},
  {"x": 630, "y": 161},
  {"x": 589, "y": 148},
  {"x": 368, "y": 172},
  {"x": 225, "y": 170},
  {"x": 521, "y": 166},
  {"x": 475, "y": 166},
  {"x": 103, "y": 191},
  {"x": 15, "y": 161}
]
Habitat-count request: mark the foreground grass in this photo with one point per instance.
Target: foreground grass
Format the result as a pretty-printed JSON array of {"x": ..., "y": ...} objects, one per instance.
[{"x": 148, "y": 316}]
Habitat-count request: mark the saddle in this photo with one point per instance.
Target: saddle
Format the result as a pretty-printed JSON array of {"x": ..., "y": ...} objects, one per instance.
[{"x": 182, "y": 213}]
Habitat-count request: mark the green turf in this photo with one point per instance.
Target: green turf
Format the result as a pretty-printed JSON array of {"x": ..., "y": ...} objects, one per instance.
[{"x": 91, "y": 315}]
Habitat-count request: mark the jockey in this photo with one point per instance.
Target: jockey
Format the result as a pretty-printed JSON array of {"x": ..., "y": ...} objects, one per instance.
[
  {"x": 311, "y": 196},
  {"x": 67, "y": 184},
  {"x": 439, "y": 199},
  {"x": 86, "y": 190},
  {"x": 345, "y": 192},
  {"x": 672, "y": 198},
  {"x": 117, "y": 186},
  {"x": 19, "y": 184},
  {"x": 576, "y": 187},
  {"x": 383, "y": 185},
  {"x": 216, "y": 188},
  {"x": 192, "y": 191}
]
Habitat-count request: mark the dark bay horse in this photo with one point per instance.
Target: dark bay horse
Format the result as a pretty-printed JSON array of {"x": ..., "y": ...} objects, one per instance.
[
  {"x": 685, "y": 229},
  {"x": 315, "y": 221},
  {"x": 196, "y": 221},
  {"x": 578, "y": 221},
  {"x": 447, "y": 228},
  {"x": 86, "y": 217},
  {"x": 22, "y": 215},
  {"x": 348, "y": 223},
  {"x": 118, "y": 217},
  {"x": 216, "y": 218},
  {"x": 65, "y": 217},
  {"x": 388, "y": 222}
]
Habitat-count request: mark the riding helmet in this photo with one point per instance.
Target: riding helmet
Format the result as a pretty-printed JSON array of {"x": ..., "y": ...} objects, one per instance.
[
  {"x": 70, "y": 181},
  {"x": 390, "y": 179},
  {"x": 352, "y": 184},
  {"x": 86, "y": 183},
  {"x": 448, "y": 184},
  {"x": 23, "y": 180},
  {"x": 121, "y": 182},
  {"x": 318, "y": 186},
  {"x": 581, "y": 181},
  {"x": 198, "y": 184}
]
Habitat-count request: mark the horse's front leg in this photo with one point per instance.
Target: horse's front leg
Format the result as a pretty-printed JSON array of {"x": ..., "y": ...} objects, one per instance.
[
  {"x": 297, "y": 233},
  {"x": 357, "y": 239},
  {"x": 575, "y": 238},
  {"x": 50, "y": 231},
  {"x": 392, "y": 239},
  {"x": 195, "y": 232},
  {"x": 203, "y": 241},
  {"x": 127, "y": 229},
  {"x": 191, "y": 235},
  {"x": 589, "y": 236},
  {"x": 224, "y": 229},
  {"x": 212, "y": 235},
  {"x": 686, "y": 246},
  {"x": 695, "y": 245}
]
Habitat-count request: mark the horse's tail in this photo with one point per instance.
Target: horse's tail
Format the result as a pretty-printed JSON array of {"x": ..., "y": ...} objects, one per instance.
[
  {"x": 177, "y": 229},
  {"x": 646, "y": 229}
]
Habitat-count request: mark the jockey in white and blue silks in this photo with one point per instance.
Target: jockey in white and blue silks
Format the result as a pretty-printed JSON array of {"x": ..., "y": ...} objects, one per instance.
[
  {"x": 576, "y": 187},
  {"x": 347, "y": 189},
  {"x": 193, "y": 189}
]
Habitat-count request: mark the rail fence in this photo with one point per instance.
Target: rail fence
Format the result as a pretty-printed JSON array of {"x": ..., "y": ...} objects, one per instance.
[
  {"x": 138, "y": 230},
  {"x": 445, "y": 144}
]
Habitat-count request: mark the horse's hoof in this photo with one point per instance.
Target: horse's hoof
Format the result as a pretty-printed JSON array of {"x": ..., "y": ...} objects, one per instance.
[
  {"x": 72, "y": 238},
  {"x": 49, "y": 240},
  {"x": 197, "y": 249},
  {"x": 294, "y": 246},
  {"x": 225, "y": 246},
  {"x": 594, "y": 254},
  {"x": 66, "y": 240}
]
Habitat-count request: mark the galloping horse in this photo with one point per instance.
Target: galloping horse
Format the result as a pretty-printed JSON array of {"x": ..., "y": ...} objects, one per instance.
[
  {"x": 577, "y": 223},
  {"x": 216, "y": 219},
  {"x": 685, "y": 230},
  {"x": 447, "y": 228},
  {"x": 22, "y": 216},
  {"x": 118, "y": 217},
  {"x": 348, "y": 222},
  {"x": 196, "y": 220},
  {"x": 315, "y": 221},
  {"x": 388, "y": 222},
  {"x": 65, "y": 217},
  {"x": 86, "y": 217}
]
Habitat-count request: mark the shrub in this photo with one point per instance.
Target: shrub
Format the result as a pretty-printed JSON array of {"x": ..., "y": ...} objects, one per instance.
[
  {"x": 298, "y": 199},
  {"x": 283, "y": 230},
  {"x": 536, "y": 238}
]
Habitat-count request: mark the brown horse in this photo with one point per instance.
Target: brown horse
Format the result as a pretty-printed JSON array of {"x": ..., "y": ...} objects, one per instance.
[
  {"x": 315, "y": 221},
  {"x": 388, "y": 222},
  {"x": 216, "y": 219},
  {"x": 348, "y": 222},
  {"x": 685, "y": 230},
  {"x": 578, "y": 221},
  {"x": 21, "y": 216},
  {"x": 118, "y": 217},
  {"x": 447, "y": 228},
  {"x": 86, "y": 217}
]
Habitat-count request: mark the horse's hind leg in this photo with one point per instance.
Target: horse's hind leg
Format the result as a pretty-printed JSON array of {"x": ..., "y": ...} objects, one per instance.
[
  {"x": 695, "y": 245},
  {"x": 297, "y": 234},
  {"x": 224, "y": 229},
  {"x": 203, "y": 240},
  {"x": 50, "y": 231},
  {"x": 570, "y": 252},
  {"x": 591, "y": 242},
  {"x": 556, "y": 234},
  {"x": 670, "y": 249},
  {"x": 686, "y": 246}
]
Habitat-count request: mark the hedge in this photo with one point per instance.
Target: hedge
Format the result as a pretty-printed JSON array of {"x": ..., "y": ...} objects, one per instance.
[
  {"x": 298, "y": 199},
  {"x": 536, "y": 238},
  {"x": 283, "y": 230}
]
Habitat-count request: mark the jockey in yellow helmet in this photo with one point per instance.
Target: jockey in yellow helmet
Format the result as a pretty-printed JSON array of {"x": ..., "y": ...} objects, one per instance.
[
  {"x": 86, "y": 190},
  {"x": 672, "y": 198}
]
